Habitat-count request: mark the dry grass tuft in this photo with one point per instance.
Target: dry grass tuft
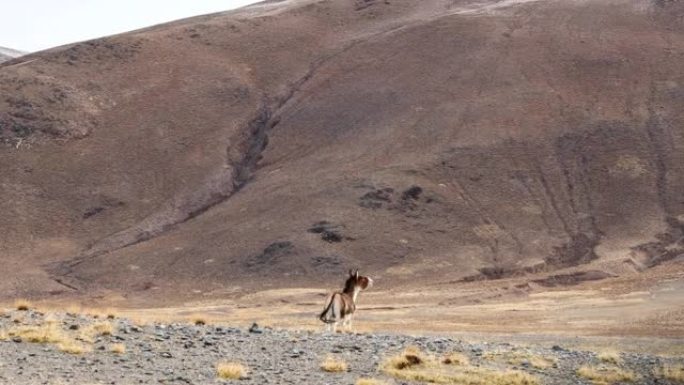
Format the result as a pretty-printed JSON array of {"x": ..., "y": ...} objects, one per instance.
[
  {"x": 118, "y": 348},
  {"x": 370, "y": 381},
  {"x": 469, "y": 376},
  {"x": 609, "y": 357},
  {"x": 104, "y": 328},
  {"x": 412, "y": 365},
  {"x": 674, "y": 373},
  {"x": 46, "y": 333},
  {"x": 110, "y": 313},
  {"x": 198, "y": 319},
  {"x": 603, "y": 375},
  {"x": 231, "y": 370},
  {"x": 333, "y": 365},
  {"x": 537, "y": 362},
  {"x": 456, "y": 359},
  {"x": 101, "y": 328},
  {"x": 72, "y": 347},
  {"x": 22, "y": 304},
  {"x": 74, "y": 308},
  {"x": 411, "y": 356}
]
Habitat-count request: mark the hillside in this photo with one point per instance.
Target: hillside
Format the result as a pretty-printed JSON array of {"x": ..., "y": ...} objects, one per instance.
[
  {"x": 7, "y": 54},
  {"x": 425, "y": 142}
]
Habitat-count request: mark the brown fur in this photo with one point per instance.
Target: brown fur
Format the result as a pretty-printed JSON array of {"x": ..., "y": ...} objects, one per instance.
[{"x": 340, "y": 304}]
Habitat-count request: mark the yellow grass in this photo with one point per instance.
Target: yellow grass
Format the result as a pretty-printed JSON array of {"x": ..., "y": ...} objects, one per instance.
[
  {"x": 118, "y": 348},
  {"x": 4, "y": 335},
  {"x": 101, "y": 328},
  {"x": 609, "y": 357},
  {"x": 518, "y": 358},
  {"x": 51, "y": 318},
  {"x": 411, "y": 356},
  {"x": 46, "y": 333},
  {"x": 333, "y": 365},
  {"x": 412, "y": 365},
  {"x": 370, "y": 381},
  {"x": 674, "y": 373},
  {"x": 469, "y": 376},
  {"x": 74, "y": 308},
  {"x": 22, "y": 304},
  {"x": 198, "y": 319},
  {"x": 231, "y": 370},
  {"x": 111, "y": 313},
  {"x": 603, "y": 375},
  {"x": 537, "y": 362},
  {"x": 456, "y": 359},
  {"x": 72, "y": 347},
  {"x": 493, "y": 355}
]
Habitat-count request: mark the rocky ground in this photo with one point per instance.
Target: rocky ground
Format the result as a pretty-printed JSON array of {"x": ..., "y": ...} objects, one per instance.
[{"x": 111, "y": 350}]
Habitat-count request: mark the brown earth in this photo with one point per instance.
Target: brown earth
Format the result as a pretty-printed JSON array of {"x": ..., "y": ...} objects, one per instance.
[{"x": 427, "y": 142}]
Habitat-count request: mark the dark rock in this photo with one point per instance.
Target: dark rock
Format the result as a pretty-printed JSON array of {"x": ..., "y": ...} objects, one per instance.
[
  {"x": 331, "y": 236},
  {"x": 375, "y": 199},
  {"x": 255, "y": 329},
  {"x": 412, "y": 192}
]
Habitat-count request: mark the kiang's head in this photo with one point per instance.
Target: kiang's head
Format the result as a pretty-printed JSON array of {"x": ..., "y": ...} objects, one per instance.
[{"x": 356, "y": 280}]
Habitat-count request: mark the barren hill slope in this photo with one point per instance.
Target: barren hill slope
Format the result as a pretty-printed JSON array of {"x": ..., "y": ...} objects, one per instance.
[
  {"x": 434, "y": 140},
  {"x": 8, "y": 53}
]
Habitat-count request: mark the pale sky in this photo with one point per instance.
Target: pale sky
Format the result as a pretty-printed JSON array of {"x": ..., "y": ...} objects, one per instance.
[{"x": 33, "y": 25}]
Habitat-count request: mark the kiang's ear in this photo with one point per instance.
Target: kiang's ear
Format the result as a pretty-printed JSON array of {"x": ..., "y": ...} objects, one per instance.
[{"x": 356, "y": 275}]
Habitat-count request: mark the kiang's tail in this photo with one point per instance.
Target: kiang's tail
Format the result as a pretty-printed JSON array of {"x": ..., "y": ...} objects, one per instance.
[{"x": 328, "y": 314}]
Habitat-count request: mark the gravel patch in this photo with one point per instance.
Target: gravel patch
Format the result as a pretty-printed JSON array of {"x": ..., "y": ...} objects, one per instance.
[{"x": 188, "y": 354}]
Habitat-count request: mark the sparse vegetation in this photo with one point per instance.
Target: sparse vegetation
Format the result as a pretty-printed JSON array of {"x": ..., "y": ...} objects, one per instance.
[
  {"x": 412, "y": 365},
  {"x": 456, "y": 359},
  {"x": 541, "y": 362},
  {"x": 118, "y": 348},
  {"x": 535, "y": 361},
  {"x": 520, "y": 358},
  {"x": 370, "y": 381},
  {"x": 72, "y": 347},
  {"x": 609, "y": 357},
  {"x": 46, "y": 333},
  {"x": 74, "y": 309},
  {"x": 605, "y": 375},
  {"x": 110, "y": 313},
  {"x": 411, "y": 356},
  {"x": 333, "y": 365},
  {"x": 231, "y": 370},
  {"x": 22, "y": 304},
  {"x": 674, "y": 373},
  {"x": 198, "y": 319},
  {"x": 103, "y": 328}
]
